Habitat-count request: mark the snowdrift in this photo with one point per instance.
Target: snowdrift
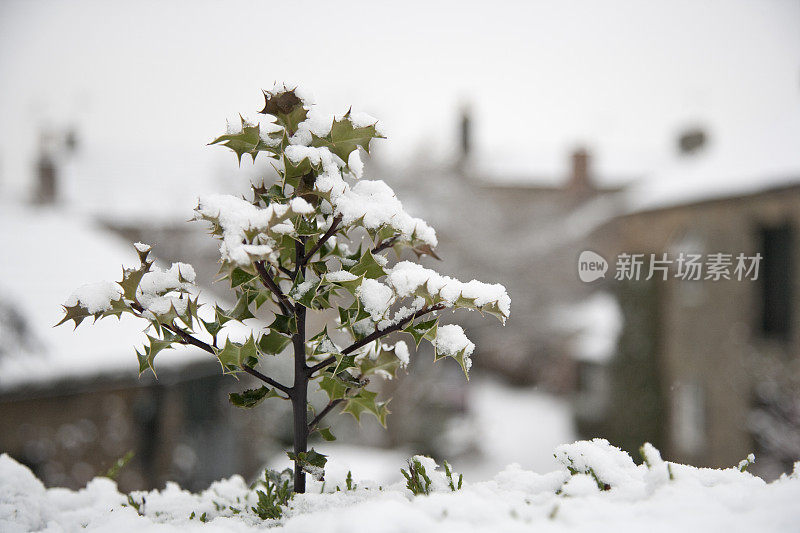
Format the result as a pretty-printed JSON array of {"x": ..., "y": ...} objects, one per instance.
[{"x": 598, "y": 488}]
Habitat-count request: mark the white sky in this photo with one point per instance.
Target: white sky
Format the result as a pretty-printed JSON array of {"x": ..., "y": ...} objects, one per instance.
[{"x": 623, "y": 77}]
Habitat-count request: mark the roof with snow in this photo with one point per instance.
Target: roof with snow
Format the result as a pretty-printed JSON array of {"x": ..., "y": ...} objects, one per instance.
[{"x": 46, "y": 255}]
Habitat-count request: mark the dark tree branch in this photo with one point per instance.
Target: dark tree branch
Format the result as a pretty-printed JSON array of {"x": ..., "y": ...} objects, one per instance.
[
  {"x": 268, "y": 380},
  {"x": 321, "y": 415},
  {"x": 384, "y": 244},
  {"x": 284, "y": 303},
  {"x": 286, "y": 271},
  {"x": 189, "y": 339},
  {"x": 300, "y": 388},
  {"x": 194, "y": 341},
  {"x": 322, "y": 240},
  {"x": 375, "y": 335}
]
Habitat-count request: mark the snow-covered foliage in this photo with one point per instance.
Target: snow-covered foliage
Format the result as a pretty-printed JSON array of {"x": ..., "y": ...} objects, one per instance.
[
  {"x": 653, "y": 496},
  {"x": 317, "y": 239}
]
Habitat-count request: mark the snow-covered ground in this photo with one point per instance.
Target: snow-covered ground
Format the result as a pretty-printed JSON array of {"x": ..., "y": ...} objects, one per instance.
[{"x": 659, "y": 497}]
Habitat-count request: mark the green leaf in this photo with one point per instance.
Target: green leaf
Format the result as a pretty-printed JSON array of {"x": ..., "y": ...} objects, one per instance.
[
  {"x": 386, "y": 361},
  {"x": 334, "y": 388},
  {"x": 239, "y": 277},
  {"x": 343, "y": 362},
  {"x": 349, "y": 286},
  {"x": 248, "y": 351},
  {"x": 241, "y": 311},
  {"x": 286, "y": 107},
  {"x": 212, "y": 327},
  {"x": 311, "y": 462},
  {"x": 344, "y": 138},
  {"x": 252, "y": 397},
  {"x": 273, "y": 343},
  {"x": 229, "y": 356},
  {"x": 326, "y": 434},
  {"x": 422, "y": 330},
  {"x": 368, "y": 267},
  {"x": 150, "y": 351},
  {"x": 293, "y": 171},
  {"x": 284, "y": 324},
  {"x": 246, "y": 141},
  {"x": 76, "y": 313},
  {"x": 303, "y": 292},
  {"x": 365, "y": 401},
  {"x": 307, "y": 228},
  {"x": 130, "y": 281}
]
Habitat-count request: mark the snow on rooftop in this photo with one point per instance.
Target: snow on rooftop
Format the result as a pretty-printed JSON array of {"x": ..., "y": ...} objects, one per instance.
[
  {"x": 732, "y": 165},
  {"x": 46, "y": 256}
]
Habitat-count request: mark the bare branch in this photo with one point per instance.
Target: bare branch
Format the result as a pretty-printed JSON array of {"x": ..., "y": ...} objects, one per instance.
[
  {"x": 189, "y": 339},
  {"x": 375, "y": 335},
  {"x": 284, "y": 303},
  {"x": 268, "y": 380},
  {"x": 384, "y": 244},
  {"x": 194, "y": 341},
  {"x": 328, "y": 408},
  {"x": 322, "y": 240}
]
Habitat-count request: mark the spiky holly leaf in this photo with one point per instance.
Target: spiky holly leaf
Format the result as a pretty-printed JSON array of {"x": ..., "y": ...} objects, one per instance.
[
  {"x": 336, "y": 386},
  {"x": 304, "y": 291},
  {"x": 422, "y": 330},
  {"x": 425, "y": 249},
  {"x": 77, "y": 313},
  {"x": 365, "y": 401},
  {"x": 326, "y": 434},
  {"x": 343, "y": 362},
  {"x": 212, "y": 327},
  {"x": 273, "y": 343},
  {"x": 246, "y": 141},
  {"x": 461, "y": 357},
  {"x": 344, "y": 137},
  {"x": 284, "y": 324},
  {"x": 368, "y": 267},
  {"x": 229, "y": 355},
  {"x": 252, "y": 397},
  {"x": 350, "y": 285},
  {"x": 323, "y": 345},
  {"x": 385, "y": 361},
  {"x": 293, "y": 171},
  {"x": 306, "y": 227},
  {"x": 241, "y": 311},
  {"x": 286, "y": 107},
  {"x": 240, "y": 277},
  {"x": 248, "y": 351},
  {"x": 117, "y": 308},
  {"x": 311, "y": 462},
  {"x": 152, "y": 349},
  {"x": 131, "y": 277},
  {"x": 333, "y": 388}
]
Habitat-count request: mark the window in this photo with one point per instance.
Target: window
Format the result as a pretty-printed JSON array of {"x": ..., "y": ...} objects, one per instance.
[{"x": 776, "y": 281}]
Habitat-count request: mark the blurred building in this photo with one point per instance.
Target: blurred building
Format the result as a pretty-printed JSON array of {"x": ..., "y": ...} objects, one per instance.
[
  {"x": 503, "y": 223},
  {"x": 71, "y": 402},
  {"x": 710, "y": 369}
]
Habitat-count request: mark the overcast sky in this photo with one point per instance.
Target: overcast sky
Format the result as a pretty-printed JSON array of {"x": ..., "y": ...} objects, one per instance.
[{"x": 541, "y": 77}]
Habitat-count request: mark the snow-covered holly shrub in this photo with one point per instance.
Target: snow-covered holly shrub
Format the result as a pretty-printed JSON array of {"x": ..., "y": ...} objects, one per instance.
[{"x": 315, "y": 240}]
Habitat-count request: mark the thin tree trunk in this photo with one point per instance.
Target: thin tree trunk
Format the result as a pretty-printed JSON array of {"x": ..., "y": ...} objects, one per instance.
[{"x": 300, "y": 397}]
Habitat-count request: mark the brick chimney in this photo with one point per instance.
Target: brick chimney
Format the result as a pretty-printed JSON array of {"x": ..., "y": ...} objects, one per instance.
[{"x": 579, "y": 178}]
